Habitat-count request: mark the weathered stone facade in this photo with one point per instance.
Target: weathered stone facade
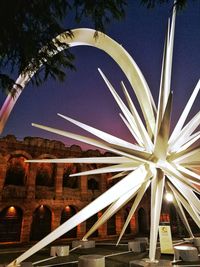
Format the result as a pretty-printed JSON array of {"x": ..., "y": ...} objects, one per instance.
[{"x": 36, "y": 198}]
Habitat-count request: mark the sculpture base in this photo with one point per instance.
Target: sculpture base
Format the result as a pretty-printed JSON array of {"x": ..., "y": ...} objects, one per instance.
[
  {"x": 59, "y": 251},
  {"x": 26, "y": 264},
  {"x": 148, "y": 263},
  {"x": 185, "y": 253},
  {"x": 196, "y": 242},
  {"x": 91, "y": 261},
  {"x": 83, "y": 243},
  {"x": 137, "y": 246}
]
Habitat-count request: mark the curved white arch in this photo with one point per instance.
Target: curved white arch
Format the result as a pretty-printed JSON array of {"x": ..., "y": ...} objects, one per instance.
[{"x": 85, "y": 36}]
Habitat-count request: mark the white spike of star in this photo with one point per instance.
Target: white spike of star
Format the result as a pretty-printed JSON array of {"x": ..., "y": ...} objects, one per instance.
[{"x": 156, "y": 160}]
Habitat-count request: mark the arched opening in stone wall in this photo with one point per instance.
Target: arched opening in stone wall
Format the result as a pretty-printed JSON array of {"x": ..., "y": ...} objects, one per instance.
[
  {"x": 10, "y": 224},
  {"x": 142, "y": 221},
  {"x": 45, "y": 175},
  {"x": 111, "y": 225},
  {"x": 66, "y": 214},
  {"x": 126, "y": 213},
  {"x": 93, "y": 184},
  {"x": 71, "y": 182},
  {"x": 90, "y": 222},
  {"x": 16, "y": 171},
  {"x": 41, "y": 223}
]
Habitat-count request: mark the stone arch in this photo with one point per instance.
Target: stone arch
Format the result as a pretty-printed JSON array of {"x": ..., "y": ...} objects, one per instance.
[
  {"x": 92, "y": 184},
  {"x": 41, "y": 223},
  {"x": 45, "y": 175},
  {"x": 17, "y": 169},
  {"x": 10, "y": 224},
  {"x": 142, "y": 221},
  {"x": 93, "y": 181},
  {"x": 67, "y": 213},
  {"x": 21, "y": 152},
  {"x": 45, "y": 172},
  {"x": 46, "y": 155},
  {"x": 71, "y": 182}
]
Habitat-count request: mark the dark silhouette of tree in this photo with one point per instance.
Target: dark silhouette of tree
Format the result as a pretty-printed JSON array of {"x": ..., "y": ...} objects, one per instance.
[
  {"x": 152, "y": 3},
  {"x": 26, "y": 26}
]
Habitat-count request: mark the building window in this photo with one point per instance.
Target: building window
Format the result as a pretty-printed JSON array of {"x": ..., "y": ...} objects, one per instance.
[
  {"x": 10, "y": 224},
  {"x": 41, "y": 223},
  {"x": 16, "y": 171},
  {"x": 45, "y": 175},
  {"x": 93, "y": 184},
  {"x": 66, "y": 214},
  {"x": 71, "y": 182}
]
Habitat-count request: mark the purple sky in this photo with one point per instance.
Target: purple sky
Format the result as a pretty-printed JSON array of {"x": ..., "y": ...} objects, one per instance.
[{"x": 85, "y": 97}]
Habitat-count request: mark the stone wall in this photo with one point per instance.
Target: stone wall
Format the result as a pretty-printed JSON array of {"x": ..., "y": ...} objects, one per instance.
[{"x": 35, "y": 191}]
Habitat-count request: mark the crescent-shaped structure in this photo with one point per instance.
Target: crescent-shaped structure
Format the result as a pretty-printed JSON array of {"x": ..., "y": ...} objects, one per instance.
[
  {"x": 158, "y": 160},
  {"x": 87, "y": 37}
]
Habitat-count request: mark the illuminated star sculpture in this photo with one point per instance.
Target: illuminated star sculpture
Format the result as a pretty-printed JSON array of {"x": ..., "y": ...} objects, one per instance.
[{"x": 157, "y": 159}]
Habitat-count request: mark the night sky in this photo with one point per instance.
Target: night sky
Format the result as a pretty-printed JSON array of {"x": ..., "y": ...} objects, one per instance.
[{"x": 85, "y": 97}]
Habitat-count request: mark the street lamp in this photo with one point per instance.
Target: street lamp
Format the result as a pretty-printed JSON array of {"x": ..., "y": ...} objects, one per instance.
[{"x": 169, "y": 197}]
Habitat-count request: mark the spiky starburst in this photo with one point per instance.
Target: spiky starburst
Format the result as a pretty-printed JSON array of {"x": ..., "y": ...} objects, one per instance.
[{"x": 157, "y": 160}]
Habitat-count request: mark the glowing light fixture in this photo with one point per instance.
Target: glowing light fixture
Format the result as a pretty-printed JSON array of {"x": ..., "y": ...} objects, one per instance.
[
  {"x": 169, "y": 197},
  {"x": 67, "y": 208},
  {"x": 11, "y": 211}
]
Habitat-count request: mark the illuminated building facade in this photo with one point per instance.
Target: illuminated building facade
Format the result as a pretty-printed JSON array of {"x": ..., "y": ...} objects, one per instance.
[{"x": 36, "y": 198}]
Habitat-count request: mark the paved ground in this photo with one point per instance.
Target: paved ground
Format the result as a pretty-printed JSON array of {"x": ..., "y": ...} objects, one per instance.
[{"x": 114, "y": 257}]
